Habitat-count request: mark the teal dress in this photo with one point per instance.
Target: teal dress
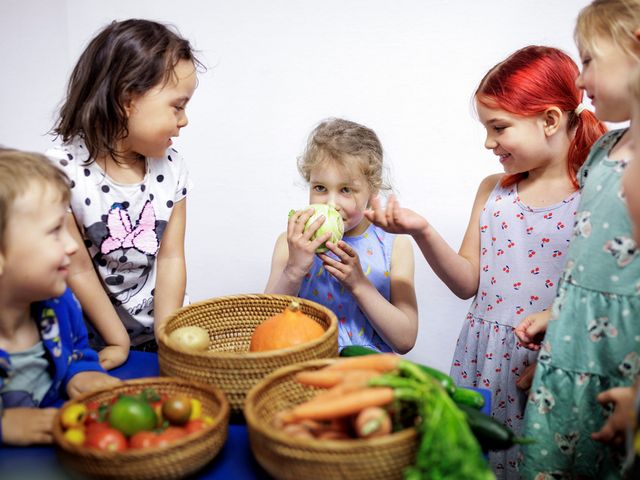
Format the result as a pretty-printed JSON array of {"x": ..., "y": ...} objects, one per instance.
[
  {"x": 593, "y": 339},
  {"x": 374, "y": 248}
]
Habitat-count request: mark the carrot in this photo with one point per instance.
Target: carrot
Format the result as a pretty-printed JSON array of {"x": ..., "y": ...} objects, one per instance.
[
  {"x": 383, "y": 362},
  {"x": 353, "y": 380},
  {"x": 347, "y": 404},
  {"x": 320, "y": 378},
  {"x": 372, "y": 422}
]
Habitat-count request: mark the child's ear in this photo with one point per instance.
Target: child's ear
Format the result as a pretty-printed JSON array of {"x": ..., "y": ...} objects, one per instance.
[{"x": 552, "y": 118}]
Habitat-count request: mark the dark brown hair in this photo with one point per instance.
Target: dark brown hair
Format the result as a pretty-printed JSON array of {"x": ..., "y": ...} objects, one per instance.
[{"x": 125, "y": 59}]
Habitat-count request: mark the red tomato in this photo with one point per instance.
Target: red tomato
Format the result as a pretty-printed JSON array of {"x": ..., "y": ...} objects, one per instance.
[
  {"x": 106, "y": 439},
  {"x": 95, "y": 427},
  {"x": 195, "y": 425},
  {"x": 170, "y": 435},
  {"x": 143, "y": 439}
]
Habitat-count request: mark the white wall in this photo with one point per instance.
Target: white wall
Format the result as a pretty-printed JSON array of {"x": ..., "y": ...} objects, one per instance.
[{"x": 405, "y": 68}]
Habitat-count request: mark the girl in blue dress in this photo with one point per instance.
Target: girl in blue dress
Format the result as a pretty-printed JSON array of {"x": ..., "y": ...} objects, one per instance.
[{"x": 367, "y": 277}]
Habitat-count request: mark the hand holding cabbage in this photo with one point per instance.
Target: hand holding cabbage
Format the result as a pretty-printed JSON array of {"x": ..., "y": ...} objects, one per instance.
[{"x": 332, "y": 224}]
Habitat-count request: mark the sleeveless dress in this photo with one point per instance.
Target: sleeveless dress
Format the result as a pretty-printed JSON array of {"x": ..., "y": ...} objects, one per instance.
[
  {"x": 374, "y": 248},
  {"x": 522, "y": 255},
  {"x": 593, "y": 339}
]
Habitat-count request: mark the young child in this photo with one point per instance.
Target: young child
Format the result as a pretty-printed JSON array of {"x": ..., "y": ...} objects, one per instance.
[
  {"x": 591, "y": 344},
  {"x": 43, "y": 341},
  {"x": 367, "y": 278},
  {"x": 126, "y": 99},
  {"x": 514, "y": 247}
]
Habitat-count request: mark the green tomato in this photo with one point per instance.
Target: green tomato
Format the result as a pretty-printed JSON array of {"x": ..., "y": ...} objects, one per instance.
[{"x": 130, "y": 415}]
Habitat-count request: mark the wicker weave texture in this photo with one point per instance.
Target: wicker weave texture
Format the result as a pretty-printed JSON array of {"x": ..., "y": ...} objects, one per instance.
[
  {"x": 231, "y": 322},
  {"x": 180, "y": 458},
  {"x": 293, "y": 459}
]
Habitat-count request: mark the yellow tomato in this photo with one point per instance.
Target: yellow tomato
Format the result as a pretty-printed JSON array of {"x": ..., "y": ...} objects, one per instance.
[
  {"x": 75, "y": 435},
  {"x": 196, "y": 409},
  {"x": 74, "y": 415}
]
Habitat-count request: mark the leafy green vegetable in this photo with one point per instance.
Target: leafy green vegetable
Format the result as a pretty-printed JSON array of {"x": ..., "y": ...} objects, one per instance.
[{"x": 333, "y": 223}]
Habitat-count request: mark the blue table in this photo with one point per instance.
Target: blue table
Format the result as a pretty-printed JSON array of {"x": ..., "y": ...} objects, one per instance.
[{"x": 235, "y": 460}]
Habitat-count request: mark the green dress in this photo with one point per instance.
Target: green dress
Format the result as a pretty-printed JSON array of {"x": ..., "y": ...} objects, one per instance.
[{"x": 593, "y": 338}]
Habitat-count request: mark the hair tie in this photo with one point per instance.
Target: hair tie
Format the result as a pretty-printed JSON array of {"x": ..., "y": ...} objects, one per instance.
[{"x": 580, "y": 108}]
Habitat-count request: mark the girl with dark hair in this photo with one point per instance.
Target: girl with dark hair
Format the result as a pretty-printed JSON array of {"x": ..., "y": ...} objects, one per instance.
[
  {"x": 126, "y": 99},
  {"x": 514, "y": 247}
]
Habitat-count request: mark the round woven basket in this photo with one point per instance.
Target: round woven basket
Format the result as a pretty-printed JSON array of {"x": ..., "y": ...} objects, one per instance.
[
  {"x": 296, "y": 458},
  {"x": 230, "y": 322},
  {"x": 176, "y": 460}
]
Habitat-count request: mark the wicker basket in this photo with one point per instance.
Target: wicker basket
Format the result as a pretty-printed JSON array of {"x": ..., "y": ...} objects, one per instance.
[
  {"x": 230, "y": 322},
  {"x": 288, "y": 458},
  {"x": 176, "y": 460}
]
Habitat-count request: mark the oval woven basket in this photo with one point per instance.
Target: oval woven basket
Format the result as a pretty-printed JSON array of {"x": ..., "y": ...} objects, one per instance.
[
  {"x": 176, "y": 460},
  {"x": 230, "y": 322},
  {"x": 290, "y": 458}
]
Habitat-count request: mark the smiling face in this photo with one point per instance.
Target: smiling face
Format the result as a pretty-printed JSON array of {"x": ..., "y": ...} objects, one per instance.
[
  {"x": 156, "y": 116},
  {"x": 518, "y": 141},
  {"x": 606, "y": 68},
  {"x": 37, "y": 245},
  {"x": 344, "y": 188}
]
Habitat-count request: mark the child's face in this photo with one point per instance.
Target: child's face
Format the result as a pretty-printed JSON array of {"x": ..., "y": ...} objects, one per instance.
[
  {"x": 519, "y": 142},
  {"x": 604, "y": 78},
  {"x": 631, "y": 179},
  {"x": 37, "y": 246},
  {"x": 346, "y": 190},
  {"x": 158, "y": 115}
]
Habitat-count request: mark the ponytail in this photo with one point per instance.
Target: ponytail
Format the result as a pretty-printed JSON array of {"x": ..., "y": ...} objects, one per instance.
[{"x": 588, "y": 130}]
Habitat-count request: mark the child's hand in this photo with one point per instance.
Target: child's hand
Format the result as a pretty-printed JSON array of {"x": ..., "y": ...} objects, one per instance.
[
  {"x": 623, "y": 416},
  {"x": 86, "y": 381},
  {"x": 531, "y": 330},
  {"x": 526, "y": 377},
  {"x": 394, "y": 219},
  {"x": 113, "y": 356},
  {"x": 301, "y": 248},
  {"x": 26, "y": 426},
  {"x": 347, "y": 270}
]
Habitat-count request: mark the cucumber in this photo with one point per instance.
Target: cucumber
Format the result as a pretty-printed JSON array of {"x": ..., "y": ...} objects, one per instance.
[
  {"x": 357, "y": 351},
  {"x": 490, "y": 433},
  {"x": 466, "y": 396},
  {"x": 445, "y": 380}
]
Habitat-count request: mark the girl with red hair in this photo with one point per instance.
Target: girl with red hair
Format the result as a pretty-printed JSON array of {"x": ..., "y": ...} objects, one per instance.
[{"x": 513, "y": 250}]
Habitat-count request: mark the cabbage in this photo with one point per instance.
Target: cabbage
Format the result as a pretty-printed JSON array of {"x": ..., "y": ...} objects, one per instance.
[{"x": 332, "y": 223}]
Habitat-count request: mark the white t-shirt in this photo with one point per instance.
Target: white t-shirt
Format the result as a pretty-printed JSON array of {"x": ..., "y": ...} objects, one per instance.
[{"x": 122, "y": 226}]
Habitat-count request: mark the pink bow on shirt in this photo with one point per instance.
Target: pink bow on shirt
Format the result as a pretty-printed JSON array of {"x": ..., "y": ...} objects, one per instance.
[{"x": 123, "y": 235}]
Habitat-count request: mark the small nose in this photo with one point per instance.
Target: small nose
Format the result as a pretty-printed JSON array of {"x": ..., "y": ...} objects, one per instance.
[
  {"x": 490, "y": 143},
  {"x": 71, "y": 246},
  {"x": 579, "y": 81},
  {"x": 184, "y": 120}
]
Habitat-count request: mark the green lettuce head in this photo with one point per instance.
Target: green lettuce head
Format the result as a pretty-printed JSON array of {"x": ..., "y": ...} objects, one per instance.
[{"x": 333, "y": 223}]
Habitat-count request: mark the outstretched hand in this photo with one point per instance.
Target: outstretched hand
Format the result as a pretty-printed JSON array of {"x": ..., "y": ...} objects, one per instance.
[
  {"x": 395, "y": 219},
  {"x": 347, "y": 269},
  {"x": 27, "y": 426},
  {"x": 531, "y": 330},
  {"x": 89, "y": 380}
]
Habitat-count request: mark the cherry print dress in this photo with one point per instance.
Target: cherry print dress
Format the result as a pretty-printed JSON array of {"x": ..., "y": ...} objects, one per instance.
[
  {"x": 122, "y": 227},
  {"x": 521, "y": 258}
]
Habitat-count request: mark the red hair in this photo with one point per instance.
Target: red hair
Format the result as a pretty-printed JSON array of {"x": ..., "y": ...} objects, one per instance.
[{"x": 536, "y": 78}]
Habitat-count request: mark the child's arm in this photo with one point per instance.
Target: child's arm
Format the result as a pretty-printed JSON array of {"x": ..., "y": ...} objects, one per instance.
[
  {"x": 531, "y": 329},
  {"x": 459, "y": 271},
  {"x": 293, "y": 254},
  {"x": 623, "y": 417},
  {"x": 396, "y": 321},
  {"x": 27, "y": 426},
  {"x": 171, "y": 276},
  {"x": 86, "y": 286}
]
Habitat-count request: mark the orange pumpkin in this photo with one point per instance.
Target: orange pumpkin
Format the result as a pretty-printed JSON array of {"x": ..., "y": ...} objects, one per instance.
[{"x": 286, "y": 329}]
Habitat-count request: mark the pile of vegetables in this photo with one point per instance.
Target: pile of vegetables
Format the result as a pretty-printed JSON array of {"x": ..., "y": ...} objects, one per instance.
[
  {"x": 378, "y": 394},
  {"x": 133, "y": 421}
]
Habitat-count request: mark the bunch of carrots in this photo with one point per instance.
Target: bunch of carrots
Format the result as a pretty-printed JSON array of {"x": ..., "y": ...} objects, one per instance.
[{"x": 366, "y": 387}]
